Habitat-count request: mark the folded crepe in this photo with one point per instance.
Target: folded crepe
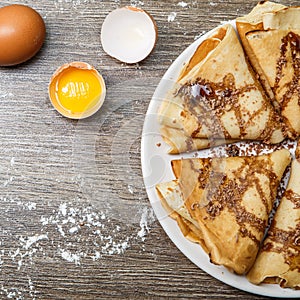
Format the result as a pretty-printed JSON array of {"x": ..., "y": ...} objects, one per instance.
[
  {"x": 180, "y": 142},
  {"x": 279, "y": 259},
  {"x": 272, "y": 46},
  {"x": 217, "y": 97},
  {"x": 254, "y": 22},
  {"x": 224, "y": 203}
]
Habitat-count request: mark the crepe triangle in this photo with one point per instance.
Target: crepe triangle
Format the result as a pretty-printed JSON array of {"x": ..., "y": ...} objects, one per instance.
[
  {"x": 179, "y": 142},
  {"x": 279, "y": 259},
  {"x": 224, "y": 203},
  {"x": 273, "y": 48},
  {"x": 254, "y": 22},
  {"x": 218, "y": 97}
]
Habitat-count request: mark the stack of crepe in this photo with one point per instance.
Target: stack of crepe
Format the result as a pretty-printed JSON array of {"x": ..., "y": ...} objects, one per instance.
[
  {"x": 229, "y": 92},
  {"x": 217, "y": 99},
  {"x": 271, "y": 38},
  {"x": 279, "y": 258},
  {"x": 224, "y": 203},
  {"x": 223, "y": 95}
]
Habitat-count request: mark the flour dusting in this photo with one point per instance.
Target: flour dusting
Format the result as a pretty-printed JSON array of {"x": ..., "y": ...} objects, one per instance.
[
  {"x": 5, "y": 94},
  {"x": 172, "y": 16},
  {"x": 29, "y": 241},
  {"x": 71, "y": 257},
  {"x": 199, "y": 35},
  {"x": 12, "y": 162},
  {"x": 182, "y": 4},
  {"x": 73, "y": 233},
  {"x": 146, "y": 218},
  {"x": 136, "y": 3}
]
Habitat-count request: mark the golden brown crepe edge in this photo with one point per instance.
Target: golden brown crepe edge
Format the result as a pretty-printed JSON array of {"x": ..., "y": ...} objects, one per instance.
[
  {"x": 279, "y": 159},
  {"x": 181, "y": 143},
  {"x": 253, "y": 22},
  {"x": 271, "y": 266},
  {"x": 188, "y": 229}
]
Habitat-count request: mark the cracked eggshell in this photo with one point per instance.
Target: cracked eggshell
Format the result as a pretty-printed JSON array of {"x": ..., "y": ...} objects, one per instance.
[
  {"x": 76, "y": 87},
  {"x": 129, "y": 34}
]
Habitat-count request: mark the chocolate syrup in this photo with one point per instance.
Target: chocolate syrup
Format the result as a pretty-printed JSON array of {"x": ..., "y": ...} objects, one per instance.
[
  {"x": 286, "y": 242},
  {"x": 208, "y": 102},
  {"x": 223, "y": 192},
  {"x": 293, "y": 197},
  {"x": 290, "y": 41}
]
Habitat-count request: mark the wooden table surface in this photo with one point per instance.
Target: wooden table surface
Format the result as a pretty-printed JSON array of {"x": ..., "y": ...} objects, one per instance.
[{"x": 75, "y": 219}]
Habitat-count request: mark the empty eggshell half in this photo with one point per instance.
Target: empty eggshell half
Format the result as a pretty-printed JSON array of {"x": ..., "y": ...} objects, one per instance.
[
  {"x": 128, "y": 34},
  {"x": 77, "y": 90}
]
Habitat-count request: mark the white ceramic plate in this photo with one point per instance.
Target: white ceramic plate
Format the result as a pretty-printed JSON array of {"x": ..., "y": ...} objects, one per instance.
[{"x": 156, "y": 168}]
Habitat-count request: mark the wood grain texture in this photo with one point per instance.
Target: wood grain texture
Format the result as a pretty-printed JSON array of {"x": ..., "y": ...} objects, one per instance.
[{"x": 75, "y": 221}]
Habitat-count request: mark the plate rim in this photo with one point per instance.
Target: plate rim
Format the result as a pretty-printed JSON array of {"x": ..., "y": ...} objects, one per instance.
[{"x": 183, "y": 244}]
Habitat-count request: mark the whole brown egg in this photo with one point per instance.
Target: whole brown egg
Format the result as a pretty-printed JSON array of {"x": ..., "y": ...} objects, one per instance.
[{"x": 22, "y": 33}]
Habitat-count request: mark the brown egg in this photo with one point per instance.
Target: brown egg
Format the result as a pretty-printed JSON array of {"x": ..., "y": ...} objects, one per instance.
[{"x": 22, "y": 33}]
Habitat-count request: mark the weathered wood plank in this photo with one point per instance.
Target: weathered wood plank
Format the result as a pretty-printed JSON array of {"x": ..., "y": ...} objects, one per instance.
[{"x": 75, "y": 221}]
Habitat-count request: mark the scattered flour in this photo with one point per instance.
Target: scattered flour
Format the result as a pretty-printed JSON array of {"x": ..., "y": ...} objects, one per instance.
[
  {"x": 172, "y": 16},
  {"x": 102, "y": 238},
  {"x": 71, "y": 257},
  {"x": 32, "y": 290},
  {"x": 182, "y": 4},
  {"x": 5, "y": 94},
  {"x": 146, "y": 218},
  {"x": 30, "y": 205},
  {"x": 29, "y": 241},
  {"x": 97, "y": 234},
  {"x": 70, "y": 221},
  {"x": 12, "y": 162},
  {"x": 19, "y": 203},
  {"x": 199, "y": 35},
  {"x": 12, "y": 293},
  {"x": 130, "y": 189},
  {"x": 136, "y": 3}
]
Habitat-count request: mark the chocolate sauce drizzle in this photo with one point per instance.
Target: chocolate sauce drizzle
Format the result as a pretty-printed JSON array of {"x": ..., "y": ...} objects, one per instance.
[
  {"x": 223, "y": 192},
  {"x": 286, "y": 242},
  {"x": 290, "y": 41},
  {"x": 293, "y": 197},
  {"x": 208, "y": 102}
]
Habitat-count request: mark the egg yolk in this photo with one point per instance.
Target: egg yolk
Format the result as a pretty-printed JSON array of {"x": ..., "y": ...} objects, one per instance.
[{"x": 77, "y": 90}]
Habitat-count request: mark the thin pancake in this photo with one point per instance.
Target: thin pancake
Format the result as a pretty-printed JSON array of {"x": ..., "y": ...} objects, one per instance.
[
  {"x": 220, "y": 97},
  {"x": 271, "y": 42},
  {"x": 229, "y": 201},
  {"x": 179, "y": 142},
  {"x": 171, "y": 198},
  {"x": 279, "y": 258},
  {"x": 278, "y": 52},
  {"x": 253, "y": 22}
]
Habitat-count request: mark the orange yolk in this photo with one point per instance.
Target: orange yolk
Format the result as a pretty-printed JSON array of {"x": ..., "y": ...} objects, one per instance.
[{"x": 77, "y": 90}]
